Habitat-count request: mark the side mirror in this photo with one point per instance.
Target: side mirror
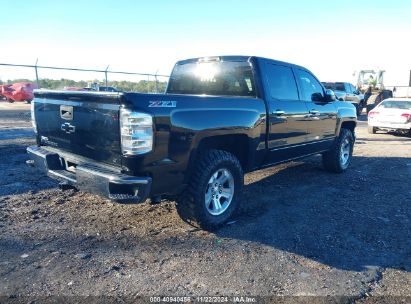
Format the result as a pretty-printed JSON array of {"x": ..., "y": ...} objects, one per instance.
[
  {"x": 317, "y": 97},
  {"x": 330, "y": 95}
]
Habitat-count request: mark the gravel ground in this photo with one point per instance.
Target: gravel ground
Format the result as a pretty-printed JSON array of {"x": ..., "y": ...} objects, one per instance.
[{"x": 304, "y": 232}]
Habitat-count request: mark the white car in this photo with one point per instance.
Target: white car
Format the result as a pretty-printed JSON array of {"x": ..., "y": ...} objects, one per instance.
[{"x": 392, "y": 114}]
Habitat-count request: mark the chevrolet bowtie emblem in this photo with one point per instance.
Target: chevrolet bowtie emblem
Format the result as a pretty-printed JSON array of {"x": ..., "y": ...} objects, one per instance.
[
  {"x": 66, "y": 112},
  {"x": 68, "y": 128}
]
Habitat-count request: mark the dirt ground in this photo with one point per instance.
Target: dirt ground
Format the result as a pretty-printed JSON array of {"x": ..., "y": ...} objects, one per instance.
[{"x": 304, "y": 232}]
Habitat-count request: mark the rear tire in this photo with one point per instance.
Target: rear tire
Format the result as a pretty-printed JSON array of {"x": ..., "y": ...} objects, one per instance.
[
  {"x": 372, "y": 130},
  {"x": 339, "y": 157},
  {"x": 213, "y": 194}
]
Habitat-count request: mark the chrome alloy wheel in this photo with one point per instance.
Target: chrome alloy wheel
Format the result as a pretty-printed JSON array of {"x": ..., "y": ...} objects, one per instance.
[
  {"x": 345, "y": 152},
  {"x": 219, "y": 192}
]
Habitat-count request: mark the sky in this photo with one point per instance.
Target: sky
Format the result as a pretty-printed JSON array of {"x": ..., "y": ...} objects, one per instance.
[{"x": 331, "y": 38}]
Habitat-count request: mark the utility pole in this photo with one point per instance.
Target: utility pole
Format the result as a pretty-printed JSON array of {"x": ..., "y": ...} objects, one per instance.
[
  {"x": 156, "y": 83},
  {"x": 105, "y": 72},
  {"x": 37, "y": 75}
]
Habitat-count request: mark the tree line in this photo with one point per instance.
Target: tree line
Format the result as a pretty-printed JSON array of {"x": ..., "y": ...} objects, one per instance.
[{"x": 143, "y": 86}]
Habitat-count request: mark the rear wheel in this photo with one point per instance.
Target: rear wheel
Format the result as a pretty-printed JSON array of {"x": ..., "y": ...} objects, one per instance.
[
  {"x": 339, "y": 157},
  {"x": 212, "y": 197},
  {"x": 10, "y": 100},
  {"x": 372, "y": 130}
]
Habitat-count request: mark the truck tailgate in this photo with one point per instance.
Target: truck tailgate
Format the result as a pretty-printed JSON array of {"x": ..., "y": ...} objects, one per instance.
[{"x": 82, "y": 123}]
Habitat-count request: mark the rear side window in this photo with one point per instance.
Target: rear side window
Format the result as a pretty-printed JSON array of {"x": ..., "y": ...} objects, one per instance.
[
  {"x": 281, "y": 82},
  {"x": 310, "y": 86},
  {"x": 221, "y": 78},
  {"x": 396, "y": 104},
  {"x": 339, "y": 86},
  {"x": 329, "y": 85}
]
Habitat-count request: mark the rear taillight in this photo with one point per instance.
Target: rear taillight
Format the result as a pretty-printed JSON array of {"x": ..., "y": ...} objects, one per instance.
[
  {"x": 136, "y": 132},
  {"x": 33, "y": 116},
  {"x": 373, "y": 113},
  {"x": 407, "y": 116}
]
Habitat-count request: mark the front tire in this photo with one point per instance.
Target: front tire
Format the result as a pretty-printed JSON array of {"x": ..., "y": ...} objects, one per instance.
[
  {"x": 213, "y": 195},
  {"x": 339, "y": 157}
]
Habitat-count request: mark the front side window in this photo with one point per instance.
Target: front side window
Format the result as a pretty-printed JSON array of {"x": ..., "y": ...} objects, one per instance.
[
  {"x": 352, "y": 88},
  {"x": 281, "y": 82},
  {"x": 221, "y": 78},
  {"x": 311, "y": 88}
]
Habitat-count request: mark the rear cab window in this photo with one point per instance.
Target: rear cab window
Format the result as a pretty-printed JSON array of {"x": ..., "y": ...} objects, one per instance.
[{"x": 218, "y": 78}]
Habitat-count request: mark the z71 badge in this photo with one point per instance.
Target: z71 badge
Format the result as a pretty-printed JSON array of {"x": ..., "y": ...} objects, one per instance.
[{"x": 163, "y": 104}]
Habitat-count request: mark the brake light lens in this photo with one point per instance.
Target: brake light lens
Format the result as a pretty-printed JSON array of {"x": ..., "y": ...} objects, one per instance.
[
  {"x": 373, "y": 113},
  {"x": 136, "y": 132},
  {"x": 33, "y": 116},
  {"x": 407, "y": 116}
]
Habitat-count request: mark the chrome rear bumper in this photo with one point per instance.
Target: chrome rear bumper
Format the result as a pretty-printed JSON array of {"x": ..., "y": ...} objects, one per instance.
[{"x": 92, "y": 177}]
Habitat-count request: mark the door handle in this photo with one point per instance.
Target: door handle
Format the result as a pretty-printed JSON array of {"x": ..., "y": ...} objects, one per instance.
[
  {"x": 278, "y": 112},
  {"x": 314, "y": 113}
]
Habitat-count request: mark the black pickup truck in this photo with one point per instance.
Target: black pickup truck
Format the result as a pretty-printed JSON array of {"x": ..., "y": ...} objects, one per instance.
[{"x": 219, "y": 118}]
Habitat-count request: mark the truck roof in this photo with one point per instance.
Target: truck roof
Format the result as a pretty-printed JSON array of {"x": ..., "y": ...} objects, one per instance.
[{"x": 235, "y": 58}]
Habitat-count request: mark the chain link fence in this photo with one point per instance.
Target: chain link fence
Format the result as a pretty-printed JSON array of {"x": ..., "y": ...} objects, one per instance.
[
  {"x": 94, "y": 79},
  {"x": 122, "y": 81}
]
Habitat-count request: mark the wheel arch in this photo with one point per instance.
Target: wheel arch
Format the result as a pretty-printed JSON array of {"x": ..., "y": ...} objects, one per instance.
[
  {"x": 240, "y": 145},
  {"x": 350, "y": 125},
  {"x": 346, "y": 117}
]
